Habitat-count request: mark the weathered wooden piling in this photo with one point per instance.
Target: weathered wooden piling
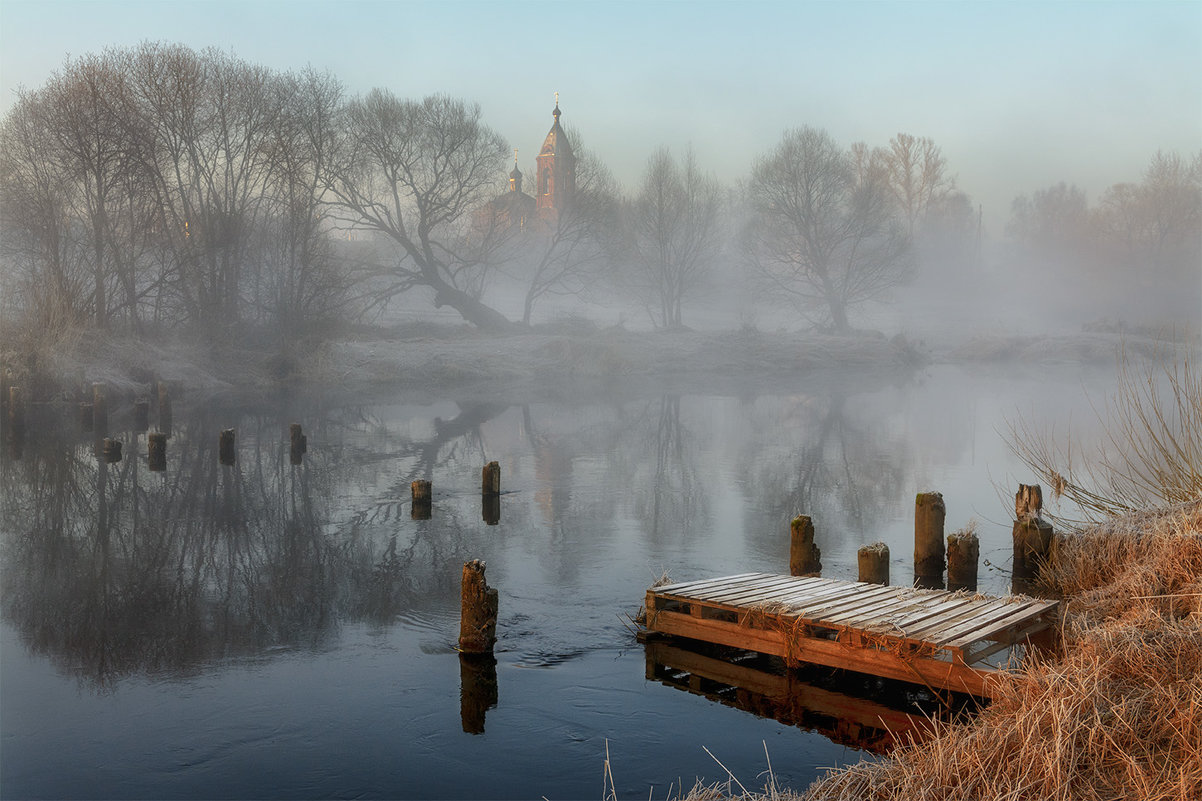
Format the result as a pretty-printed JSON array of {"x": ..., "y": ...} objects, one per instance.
[
  {"x": 141, "y": 414},
  {"x": 490, "y": 479},
  {"x": 164, "y": 393},
  {"x": 929, "y": 513},
  {"x": 963, "y": 553},
  {"x": 157, "y": 452},
  {"x": 804, "y": 556},
  {"x": 423, "y": 492},
  {"x": 478, "y": 616},
  {"x": 226, "y": 450},
  {"x": 1032, "y": 546},
  {"x": 873, "y": 561},
  {"x": 100, "y": 408},
  {"x": 298, "y": 443},
  {"x": 111, "y": 451},
  {"x": 477, "y": 690}
]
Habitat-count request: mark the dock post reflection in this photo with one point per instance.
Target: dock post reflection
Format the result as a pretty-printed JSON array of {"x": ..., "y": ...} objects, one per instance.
[{"x": 477, "y": 690}]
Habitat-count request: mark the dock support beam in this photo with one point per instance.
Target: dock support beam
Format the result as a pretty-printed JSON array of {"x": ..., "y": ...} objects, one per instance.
[
  {"x": 804, "y": 555},
  {"x": 963, "y": 552},
  {"x": 873, "y": 561},
  {"x": 929, "y": 513}
]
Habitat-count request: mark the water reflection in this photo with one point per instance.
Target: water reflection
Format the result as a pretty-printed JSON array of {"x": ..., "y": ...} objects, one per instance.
[
  {"x": 857, "y": 711},
  {"x": 111, "y": 570}
]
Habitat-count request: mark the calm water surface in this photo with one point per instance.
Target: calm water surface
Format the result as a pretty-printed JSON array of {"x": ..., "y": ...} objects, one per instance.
[{"x": 265, "y": 630}]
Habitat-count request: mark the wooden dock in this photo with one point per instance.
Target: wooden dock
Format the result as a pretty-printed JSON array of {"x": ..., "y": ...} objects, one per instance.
[{"x": 932, "y": 637}]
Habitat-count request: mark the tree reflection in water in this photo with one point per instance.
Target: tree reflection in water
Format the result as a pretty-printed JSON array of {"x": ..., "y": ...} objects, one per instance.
[{"x": 110, "y": 570}]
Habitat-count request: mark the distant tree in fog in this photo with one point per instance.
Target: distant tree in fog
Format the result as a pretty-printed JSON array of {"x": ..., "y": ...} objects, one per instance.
[
  {"x": 1134, "y": 256},
  {"x": 917, "y": 176},
  {"x": 825, "y": 230},
  {"x": 676, "y": 230},
  {"x": 414, "y": 172},
  {"x": 1053, "y": 221}
]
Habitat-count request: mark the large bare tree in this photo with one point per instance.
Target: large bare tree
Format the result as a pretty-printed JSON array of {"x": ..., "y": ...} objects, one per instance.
[
  {"x": 825, "y": 231},
  {"x": 414, "y": 172}
]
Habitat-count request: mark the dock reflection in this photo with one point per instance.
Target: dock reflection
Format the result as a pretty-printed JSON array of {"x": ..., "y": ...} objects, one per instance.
[{"x": 858, "y": 711}]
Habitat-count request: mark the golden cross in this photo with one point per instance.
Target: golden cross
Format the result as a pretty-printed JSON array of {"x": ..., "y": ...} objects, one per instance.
[{"x": 557, "y": 100}]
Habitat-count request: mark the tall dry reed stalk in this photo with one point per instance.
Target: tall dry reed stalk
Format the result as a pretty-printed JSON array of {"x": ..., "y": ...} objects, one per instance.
[{"x": 1150, "y": 453}]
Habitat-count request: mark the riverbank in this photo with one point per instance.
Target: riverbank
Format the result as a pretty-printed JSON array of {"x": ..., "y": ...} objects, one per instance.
[
  {"x": 440, "y": 357},
  {"x": 1118, "y": 715}
]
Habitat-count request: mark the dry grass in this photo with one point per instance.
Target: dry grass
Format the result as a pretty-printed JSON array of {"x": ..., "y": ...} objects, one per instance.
[{"x": 1118, "y": 716}]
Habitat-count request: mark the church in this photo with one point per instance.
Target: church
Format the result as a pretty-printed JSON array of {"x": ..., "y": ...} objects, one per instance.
[{"x": 555, "y": 181}]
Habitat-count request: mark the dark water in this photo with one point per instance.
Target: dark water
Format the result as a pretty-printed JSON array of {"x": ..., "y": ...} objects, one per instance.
[{"x": 265, "y": 630}]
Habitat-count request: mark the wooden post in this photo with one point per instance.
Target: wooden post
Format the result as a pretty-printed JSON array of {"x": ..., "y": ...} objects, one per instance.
[
  {"x": 490, "y": 479},
  {"x": 1032, "y": 547},
  {"x": 873, "y": 561},
  {"x": 422, "y": 499},
  {"x": 100, "y": 408},
  {"x": 164, "y": 392},
  {"x": 112, "y": 450},
  {"x": 226, "y": 451},
  {"x": 478, "y": 617},
  {"x": 477, "y": 690},
  {"x": 157, "y": 453},
  {"x": 929, "y": 513},
  {"x": 298, "y": 443},
  {"x": 141, "y": 414},
  {"x": 804, "y": 555},
  {"x": 963, "y": 552}
]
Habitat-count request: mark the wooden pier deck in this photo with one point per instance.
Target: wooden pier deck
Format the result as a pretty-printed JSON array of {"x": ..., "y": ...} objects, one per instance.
[{"x": 931, "y": 637}]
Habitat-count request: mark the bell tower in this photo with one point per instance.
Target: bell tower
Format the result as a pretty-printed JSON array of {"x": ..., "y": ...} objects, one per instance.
[{"x": 556, "y": 172}]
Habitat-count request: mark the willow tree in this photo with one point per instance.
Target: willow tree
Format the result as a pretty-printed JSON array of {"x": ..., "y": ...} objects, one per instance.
[
  {"x": 825, "y": 231},
  {"x": 414, "y": 172}
]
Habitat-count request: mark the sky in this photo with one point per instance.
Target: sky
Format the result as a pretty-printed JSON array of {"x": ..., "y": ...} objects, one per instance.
[{"x": 1020, "y": 96}]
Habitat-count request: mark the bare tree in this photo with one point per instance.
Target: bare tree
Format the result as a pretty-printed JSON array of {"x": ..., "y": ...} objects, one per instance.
[
  {"x": 825, "y": 231},
  {"x": 298, "y": 286},
  {"x": 414, "y": 171},
  {"x": 677, "y": 229},
  {"x": 917, "y": 175}
]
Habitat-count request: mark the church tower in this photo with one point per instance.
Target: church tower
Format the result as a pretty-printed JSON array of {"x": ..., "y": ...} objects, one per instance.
[{"x": 556, "y": 178}]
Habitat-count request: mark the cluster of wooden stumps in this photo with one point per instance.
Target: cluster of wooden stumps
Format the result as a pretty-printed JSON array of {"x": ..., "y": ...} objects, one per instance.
[
  {"x": 92, "y": 414},
  {"x": 959, "y": 553}
]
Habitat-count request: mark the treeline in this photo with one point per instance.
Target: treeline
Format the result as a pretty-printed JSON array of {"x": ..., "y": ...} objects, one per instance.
[
  {"x": 160, "y": 186},
  {"x": 1134, "y": 254},
  {"x": 165, "y": 186}
]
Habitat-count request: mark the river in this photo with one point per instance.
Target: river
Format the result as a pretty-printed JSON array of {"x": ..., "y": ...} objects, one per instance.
[{"x": 270, "y": 630}]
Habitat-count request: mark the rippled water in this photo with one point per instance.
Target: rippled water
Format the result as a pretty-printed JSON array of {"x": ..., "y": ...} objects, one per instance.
[{"x": 265, "y": 630}]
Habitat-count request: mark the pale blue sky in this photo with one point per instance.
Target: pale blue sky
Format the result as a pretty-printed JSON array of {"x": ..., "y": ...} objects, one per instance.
[{"x": 1019, "y": 95}]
